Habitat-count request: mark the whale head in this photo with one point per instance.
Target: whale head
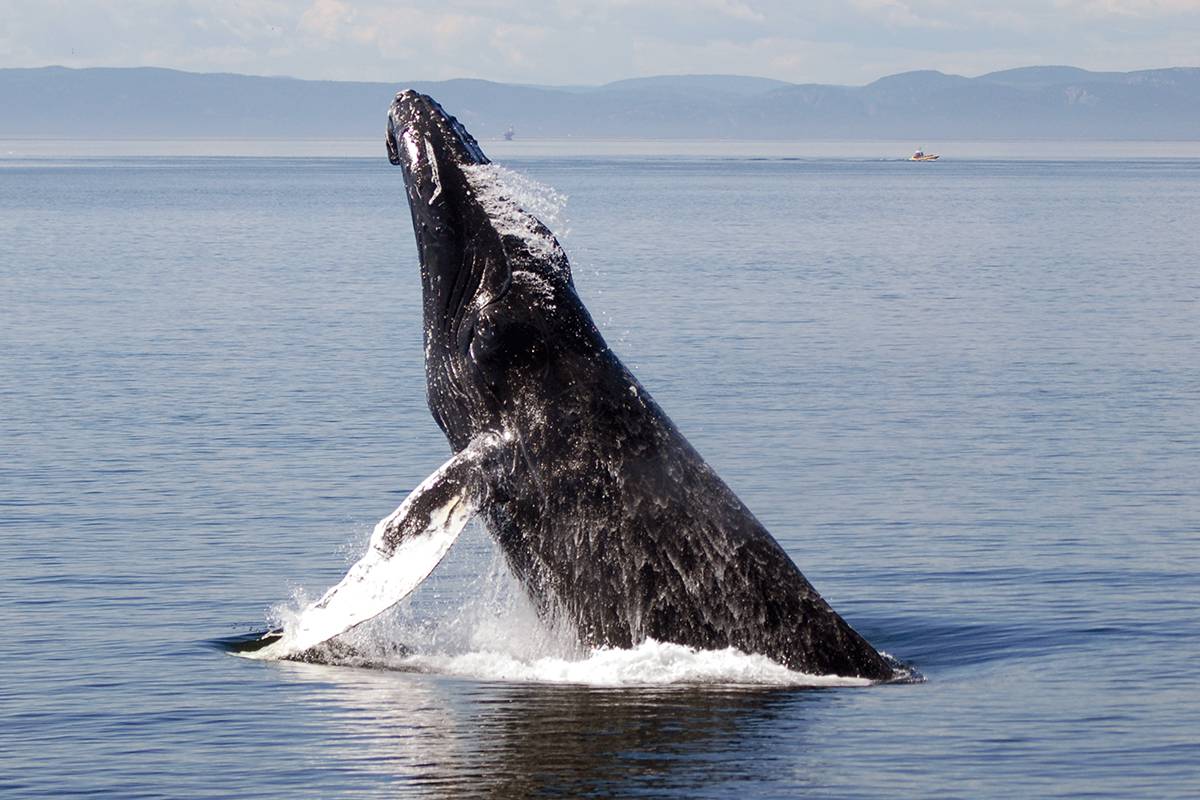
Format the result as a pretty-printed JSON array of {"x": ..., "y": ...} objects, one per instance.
[{"x": 499, "y": 304}]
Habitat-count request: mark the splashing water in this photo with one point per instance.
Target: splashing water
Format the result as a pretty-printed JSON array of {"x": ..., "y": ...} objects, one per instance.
[
  {"x": 509, "y": 198},
  {"x": 488, "y": 629},
  {"x": 650, "y": 663}
]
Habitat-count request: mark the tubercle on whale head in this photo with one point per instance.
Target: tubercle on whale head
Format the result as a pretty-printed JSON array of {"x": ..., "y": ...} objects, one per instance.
[{"x": 413, "y": 115}]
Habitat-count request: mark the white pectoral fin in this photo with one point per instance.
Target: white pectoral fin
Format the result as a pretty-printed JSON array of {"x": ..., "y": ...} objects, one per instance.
[{"x": 404, "y": 549}]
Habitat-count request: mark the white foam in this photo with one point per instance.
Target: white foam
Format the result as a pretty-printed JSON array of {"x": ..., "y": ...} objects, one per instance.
[
  {"x": 650, "y": 663},
  {"x": 515, "y": 202},
  {"x": 480, "y": 624},
  {"x": 498, "y": 636}
]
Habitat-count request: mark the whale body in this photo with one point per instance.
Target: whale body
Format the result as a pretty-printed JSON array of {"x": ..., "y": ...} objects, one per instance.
[{"x": 603, "y": 510}]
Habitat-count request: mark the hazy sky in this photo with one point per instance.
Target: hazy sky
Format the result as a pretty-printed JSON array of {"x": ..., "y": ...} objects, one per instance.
[{"x": 593, "y": 41}]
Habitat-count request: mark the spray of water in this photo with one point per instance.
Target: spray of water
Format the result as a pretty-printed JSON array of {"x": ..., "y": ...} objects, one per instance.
[
  {"x": 473, "y": 619},
  {"x": 510, "y": 197}
]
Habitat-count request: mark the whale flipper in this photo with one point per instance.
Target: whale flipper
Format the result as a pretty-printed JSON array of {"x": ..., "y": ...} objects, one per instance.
[{"x": 404, "y": 548}]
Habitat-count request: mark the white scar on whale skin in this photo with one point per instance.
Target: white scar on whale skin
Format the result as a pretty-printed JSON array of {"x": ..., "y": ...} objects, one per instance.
[
  {"x": 410, "y": 145},
  {"x": 404, "y": 548},
  {"x": 433, "y": 171}
]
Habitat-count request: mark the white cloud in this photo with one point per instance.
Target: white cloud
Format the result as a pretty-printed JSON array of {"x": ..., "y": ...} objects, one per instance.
[
  {"x": 897, "y": 13},
  {"x": 518, "y": 44},
  {"x": 1130, "y": 8},
  {"x": 592, "y": 41},
  {"x": 733, "y": 9},
  {"x": 326, "y": 18}
]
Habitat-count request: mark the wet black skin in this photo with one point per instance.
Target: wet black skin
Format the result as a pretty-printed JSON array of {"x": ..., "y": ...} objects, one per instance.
[{"x": 603, "y": 509}]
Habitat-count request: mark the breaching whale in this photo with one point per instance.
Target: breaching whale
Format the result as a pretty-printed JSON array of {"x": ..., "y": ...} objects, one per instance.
[{"x": 603, "y": 510}]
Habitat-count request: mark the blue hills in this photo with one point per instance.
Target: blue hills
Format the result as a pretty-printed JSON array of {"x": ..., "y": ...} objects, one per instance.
[{"x": 1052, "y": 102}]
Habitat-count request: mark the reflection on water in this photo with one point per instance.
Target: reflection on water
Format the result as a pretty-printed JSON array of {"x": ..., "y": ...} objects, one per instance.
[{"x": 520, "y": 740}]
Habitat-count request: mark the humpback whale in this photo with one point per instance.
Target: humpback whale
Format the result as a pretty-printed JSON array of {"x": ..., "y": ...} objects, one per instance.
[{"x": 603, "y": 510}]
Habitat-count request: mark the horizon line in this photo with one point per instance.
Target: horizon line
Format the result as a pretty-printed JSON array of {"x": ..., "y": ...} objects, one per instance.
[{"x": 607, "y": 83}]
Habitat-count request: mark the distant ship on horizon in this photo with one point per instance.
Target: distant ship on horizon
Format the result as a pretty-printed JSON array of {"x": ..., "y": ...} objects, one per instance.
[{"x": 921, "y": 155}]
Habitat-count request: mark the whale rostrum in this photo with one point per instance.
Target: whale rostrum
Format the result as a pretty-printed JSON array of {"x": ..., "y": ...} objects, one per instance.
[{"x": 604, "y": 512}]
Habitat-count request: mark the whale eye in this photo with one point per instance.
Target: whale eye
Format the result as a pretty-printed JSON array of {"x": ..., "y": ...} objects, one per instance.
[{"x": 501, "y": 346}]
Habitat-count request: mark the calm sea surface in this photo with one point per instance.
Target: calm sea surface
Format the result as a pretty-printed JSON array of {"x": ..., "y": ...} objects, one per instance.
[{"x": 965, "y": 396}]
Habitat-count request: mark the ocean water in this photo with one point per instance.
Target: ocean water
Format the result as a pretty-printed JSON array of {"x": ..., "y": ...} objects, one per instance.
[{"x": 964, "y": 396}]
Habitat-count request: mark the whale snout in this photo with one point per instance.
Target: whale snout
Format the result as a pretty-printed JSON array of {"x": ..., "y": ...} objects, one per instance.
[
  {"x": 409, "y": 110},
  {"x": 419, "y": 131}
]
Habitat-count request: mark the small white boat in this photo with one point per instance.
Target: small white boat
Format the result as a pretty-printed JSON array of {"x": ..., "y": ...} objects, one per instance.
[{"x": 921, "y": 155}]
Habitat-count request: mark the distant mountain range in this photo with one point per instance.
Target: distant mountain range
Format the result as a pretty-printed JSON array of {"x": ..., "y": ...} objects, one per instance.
[{"x": 1025, "y": 103}]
